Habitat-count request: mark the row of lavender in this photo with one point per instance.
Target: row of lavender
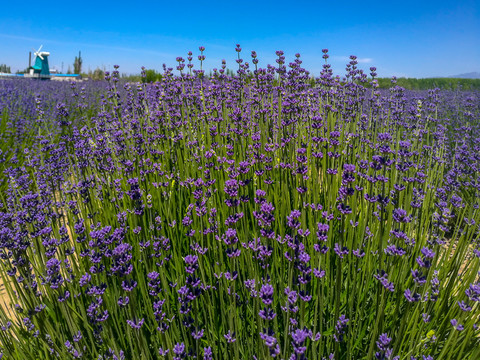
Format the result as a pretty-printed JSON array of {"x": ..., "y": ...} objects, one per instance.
[{"x": 269, "y": 214}]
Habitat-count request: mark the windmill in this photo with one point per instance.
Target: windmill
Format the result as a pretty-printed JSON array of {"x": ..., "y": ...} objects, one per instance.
[{"x": 40, "y": 68}]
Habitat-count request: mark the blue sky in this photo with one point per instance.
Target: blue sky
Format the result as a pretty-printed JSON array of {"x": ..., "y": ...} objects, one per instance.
[{"x": 402, "y": 38}]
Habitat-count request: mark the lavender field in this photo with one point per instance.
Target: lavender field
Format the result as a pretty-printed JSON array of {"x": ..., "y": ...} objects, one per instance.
[{"x": 270, "y": 214}]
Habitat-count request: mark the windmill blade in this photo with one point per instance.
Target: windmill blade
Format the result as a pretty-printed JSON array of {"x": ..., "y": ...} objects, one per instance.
[
  {"x": 40, "y": 48},
  {"x": 37, "y": 52}
]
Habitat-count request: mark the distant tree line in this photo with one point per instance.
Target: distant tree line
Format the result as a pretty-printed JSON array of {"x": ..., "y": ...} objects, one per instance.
[
  {"x": 152, "y": 75},
  {"x": 5, "y": 69},
  {"x": 97, "y": 74},
  {"x": 430, "y": 83}
]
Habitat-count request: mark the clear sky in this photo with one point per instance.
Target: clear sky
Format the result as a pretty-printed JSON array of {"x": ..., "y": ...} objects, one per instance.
[{"x": 403, "y": 38}]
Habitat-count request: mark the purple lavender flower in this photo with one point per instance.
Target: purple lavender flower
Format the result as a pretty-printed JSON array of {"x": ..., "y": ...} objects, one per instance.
[
  {"x": 179, "y": 351},
  {"x": 197, "y": 334},
  {"x": 207, "y": 353},
  {"x": 385, "y": 352},
  {"x": 340, "y": 328},
  {"x": 191, "y": 262},
  {"x": 266, "y": 294},
  {"x": 136, "y": 324},
  {"x": 230, "y": 337},
  {"x": 411, "y": 297},
  {"x": 456, "y": 325},
  {"x": 299, "y": 336}
]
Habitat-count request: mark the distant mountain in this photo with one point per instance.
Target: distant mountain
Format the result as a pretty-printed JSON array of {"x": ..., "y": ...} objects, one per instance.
[{"x": 470, "y": 75}]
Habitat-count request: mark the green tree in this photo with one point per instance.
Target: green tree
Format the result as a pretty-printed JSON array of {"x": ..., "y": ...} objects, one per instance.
[
  {"x": 98, "y": 74},
  {"x": 77, "y": 64},
  {"x": 151, "y": 76},
  {"x": 5, "y": 69}
]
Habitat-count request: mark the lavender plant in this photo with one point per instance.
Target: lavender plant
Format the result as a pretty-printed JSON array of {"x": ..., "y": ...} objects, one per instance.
[{"x": 269, "y": 214}]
